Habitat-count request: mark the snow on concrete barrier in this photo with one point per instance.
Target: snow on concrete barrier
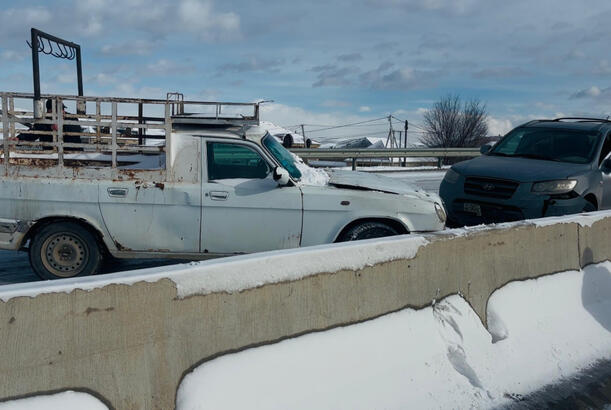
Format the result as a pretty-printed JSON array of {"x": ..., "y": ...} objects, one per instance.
[{"x": 131, "y": 337}]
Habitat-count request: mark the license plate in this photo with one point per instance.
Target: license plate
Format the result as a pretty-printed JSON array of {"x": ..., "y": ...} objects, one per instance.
[{"x": 473, "y": 208}]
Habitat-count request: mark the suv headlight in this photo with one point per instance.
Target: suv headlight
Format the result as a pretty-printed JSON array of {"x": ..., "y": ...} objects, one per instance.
[
  {"x": 554, "y": 187},
  {"x": 451, "y": 176}
]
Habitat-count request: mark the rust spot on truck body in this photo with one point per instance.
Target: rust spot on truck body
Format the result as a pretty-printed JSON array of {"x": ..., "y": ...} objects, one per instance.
[{"x": 121, "y": 247}]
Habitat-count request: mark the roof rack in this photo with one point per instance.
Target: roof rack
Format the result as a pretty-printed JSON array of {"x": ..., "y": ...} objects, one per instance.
[{"x": 581, "y": 119}]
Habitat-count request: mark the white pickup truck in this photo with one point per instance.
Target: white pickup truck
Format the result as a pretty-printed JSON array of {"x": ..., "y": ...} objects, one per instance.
[{"x": 207, "y": 185}]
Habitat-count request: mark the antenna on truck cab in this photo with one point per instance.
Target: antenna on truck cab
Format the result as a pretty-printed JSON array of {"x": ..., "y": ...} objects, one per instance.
[{"x": 59, "y": 48}]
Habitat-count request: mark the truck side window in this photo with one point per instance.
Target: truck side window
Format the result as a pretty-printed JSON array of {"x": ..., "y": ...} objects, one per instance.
[{"x": 230, "y": 161}]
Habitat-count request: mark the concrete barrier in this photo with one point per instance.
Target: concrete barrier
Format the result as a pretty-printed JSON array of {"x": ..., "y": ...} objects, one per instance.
[{"x": 130, "y": 338}]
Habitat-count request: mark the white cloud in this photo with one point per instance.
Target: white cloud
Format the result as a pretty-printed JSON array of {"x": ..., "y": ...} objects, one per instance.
[
  {"x": 364, "y": 108},
  {"x": 168, "y": 67},
  {"x": 10, "y": 55},
  {"x": 446, "y": 6},
  {"x": 335, "y": 103},
  {"x": 591, "y": 92},
  {"x": 156, "y": 17},
  {"x": 199, "y": 17},
  {"x": 136, "y": 47},
  {"x": 499, "y": 126}
]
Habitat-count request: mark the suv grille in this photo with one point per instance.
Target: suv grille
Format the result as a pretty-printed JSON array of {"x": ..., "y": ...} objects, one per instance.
[{"x": 491, "y": 188}]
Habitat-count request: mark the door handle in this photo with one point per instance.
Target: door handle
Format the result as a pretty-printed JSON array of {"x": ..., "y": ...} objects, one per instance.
[
  {"x": 219, "y": 195},
  {"x": 117, "y": 192}
]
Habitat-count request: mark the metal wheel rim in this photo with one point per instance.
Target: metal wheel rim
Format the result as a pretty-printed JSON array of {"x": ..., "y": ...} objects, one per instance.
[{"x": 64, "y": 254}]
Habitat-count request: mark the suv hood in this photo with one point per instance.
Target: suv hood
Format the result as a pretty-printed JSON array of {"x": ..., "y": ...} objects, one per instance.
[
  {"x": 373, "y": 182},
  {"x": 518, "y": 169}
]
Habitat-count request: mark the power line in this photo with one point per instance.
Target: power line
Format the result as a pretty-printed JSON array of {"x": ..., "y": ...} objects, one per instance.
[{"x": 347, "y": 125}]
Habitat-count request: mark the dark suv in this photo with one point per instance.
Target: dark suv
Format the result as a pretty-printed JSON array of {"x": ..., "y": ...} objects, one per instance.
[{"x": 541, "y": 168}]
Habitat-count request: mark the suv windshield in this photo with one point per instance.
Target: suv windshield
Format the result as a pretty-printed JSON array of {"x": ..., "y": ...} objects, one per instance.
[
  {"x": 284, "y": 157},
  {"x": 551, "y": 144}
]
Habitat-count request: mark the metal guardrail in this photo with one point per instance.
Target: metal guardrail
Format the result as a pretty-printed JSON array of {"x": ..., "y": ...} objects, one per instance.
[{"x": 356, "y": 154}]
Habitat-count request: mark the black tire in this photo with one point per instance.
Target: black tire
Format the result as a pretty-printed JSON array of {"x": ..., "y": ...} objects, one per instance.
[
  {"x": 64, "y": 250},
  {"x": 367, "y": 230},
  {"x": 589, "y": 206},
  {"x": 287, "y": 141}
]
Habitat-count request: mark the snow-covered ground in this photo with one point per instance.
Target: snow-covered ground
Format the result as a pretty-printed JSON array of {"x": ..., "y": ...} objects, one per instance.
[
  {"x": 68, "y": 400},
  {"x": 541, "y": 331}
]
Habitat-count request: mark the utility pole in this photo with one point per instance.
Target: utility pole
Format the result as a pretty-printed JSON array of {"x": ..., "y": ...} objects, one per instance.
[
  {"x": 405, "y": 145},
  {"x": 391, "y": 135}
]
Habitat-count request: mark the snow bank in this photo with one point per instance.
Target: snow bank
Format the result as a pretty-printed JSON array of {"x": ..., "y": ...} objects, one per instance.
[
  {"x": 439, "y": 357},
  {"x": 229, "y": 275},
  {"x": 585, "y": 220},
  {"x": 309, "y": 175},
  {"x": 68, "y": 400}
]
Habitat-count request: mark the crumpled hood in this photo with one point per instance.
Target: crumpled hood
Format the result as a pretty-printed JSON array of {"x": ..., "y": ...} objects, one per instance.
[
  {"x": 518, "y": 169},
  {"x": 373, "y": 182}
]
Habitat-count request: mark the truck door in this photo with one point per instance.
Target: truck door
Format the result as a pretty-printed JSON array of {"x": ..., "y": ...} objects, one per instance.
[
  {"x": 144, "y": 215},
  {"x": 243, "y": 208}
]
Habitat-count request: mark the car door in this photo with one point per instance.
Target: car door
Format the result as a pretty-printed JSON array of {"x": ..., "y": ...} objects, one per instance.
[
  {"x": 605, "y": 167},
  {"x": 606, "y": 180},
  {"x": 243, "y": 209}
]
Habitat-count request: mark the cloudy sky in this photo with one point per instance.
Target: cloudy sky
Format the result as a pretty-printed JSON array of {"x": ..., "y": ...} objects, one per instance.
[{"x": 328, "y": 62}]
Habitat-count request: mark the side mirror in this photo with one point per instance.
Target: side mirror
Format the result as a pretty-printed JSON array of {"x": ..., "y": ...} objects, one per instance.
[
  {"x": 281, "y": 176},
  {"x": 606, "y": 166},
  {"x": 484, "y": 149}
]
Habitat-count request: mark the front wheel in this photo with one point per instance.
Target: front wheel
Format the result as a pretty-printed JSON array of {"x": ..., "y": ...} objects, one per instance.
[
  {"x": 64, "y": 250},
  {"x": 589, "y": 206},
  {"x": 368, "y": 230}
]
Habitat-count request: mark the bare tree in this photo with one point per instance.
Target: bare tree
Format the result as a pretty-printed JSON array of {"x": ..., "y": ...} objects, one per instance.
[{"x": 451, "y": 123}]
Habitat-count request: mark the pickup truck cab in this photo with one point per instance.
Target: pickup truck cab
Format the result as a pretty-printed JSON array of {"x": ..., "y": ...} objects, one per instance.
[{"x": 220, "y": 188}]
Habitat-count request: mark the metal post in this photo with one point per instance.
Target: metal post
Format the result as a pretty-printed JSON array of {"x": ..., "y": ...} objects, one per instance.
[
  {"x": 354, "y": 164},
  {"x": 98, "y": 118},
  {"x": 168, "y": 141},
  {"x": 11, "y": 112},
  {"x": 59, "y": 112},
  {"x": 140, "y": 139},
  {"x": 79, "y": 71},
  {"x": 5, "y": 126},
  {"x": 114, "y": 134},
  {"x": 38, "y": 111},
  {"x": 303, "y": 133}
]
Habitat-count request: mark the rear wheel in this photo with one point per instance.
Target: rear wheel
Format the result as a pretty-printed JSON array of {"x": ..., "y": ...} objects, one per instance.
[
  {"x": 64, "y": 250},
  {"x": 368, "y": 230}
]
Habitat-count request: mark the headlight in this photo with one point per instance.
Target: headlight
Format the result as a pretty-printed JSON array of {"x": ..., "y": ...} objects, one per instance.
[
  {"x": 441, "y": 213},
  {"x": 554, "y": 187},
  {"x": 451, "y": 176}
]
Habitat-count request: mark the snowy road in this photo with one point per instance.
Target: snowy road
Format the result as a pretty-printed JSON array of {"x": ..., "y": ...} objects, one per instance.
[{"x": 15, "y": 267}]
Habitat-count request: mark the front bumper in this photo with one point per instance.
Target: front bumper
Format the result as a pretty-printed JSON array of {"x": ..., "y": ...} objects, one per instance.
[
  {"x": 466, "y": 209},
  {"x": 12, "y": 232}
]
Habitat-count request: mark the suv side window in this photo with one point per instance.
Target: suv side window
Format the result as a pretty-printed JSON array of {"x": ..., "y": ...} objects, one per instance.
[
  {"x": 229, "y": 161},
  {"x": 606, "y": 149}
]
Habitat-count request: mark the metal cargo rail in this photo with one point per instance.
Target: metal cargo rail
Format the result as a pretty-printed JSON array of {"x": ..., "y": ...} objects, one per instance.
[{"x": 112, "y": 130}]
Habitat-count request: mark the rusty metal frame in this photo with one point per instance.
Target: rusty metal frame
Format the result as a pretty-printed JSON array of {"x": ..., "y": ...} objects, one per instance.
[{"x": 100, "y": 140}]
